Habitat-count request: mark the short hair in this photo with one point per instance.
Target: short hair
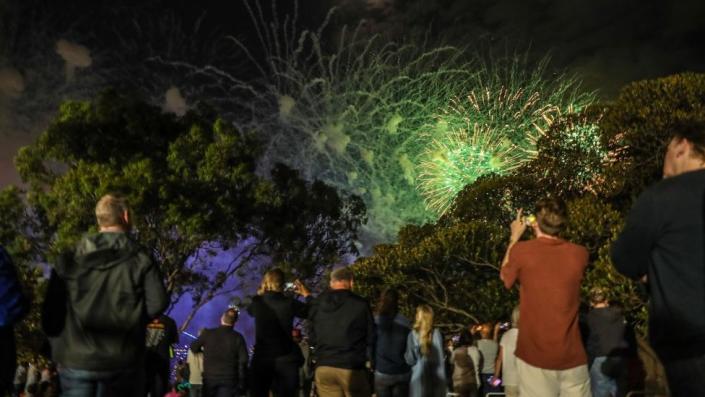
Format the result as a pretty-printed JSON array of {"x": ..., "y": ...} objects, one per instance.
[
  {"x": 388, "y": 302},
  {"x": 342, "y": 274},
  {"x": 229, "y": 317},
  {"x": 465, "y": 338},
  {"x": 273, "y": 280},
  {"x": 693, "y": 130},
  {"x": 551, "y": 215},
  {"x": 110, "y": 209}
]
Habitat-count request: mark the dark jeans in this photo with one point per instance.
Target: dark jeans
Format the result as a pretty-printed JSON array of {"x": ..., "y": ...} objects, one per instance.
[
  {"x": 392, "y": 385},
  {"x": 157, "y": 377},
  {"x": 686, "y": 377},
  {"x": 214, "y": 388},
  {"x": 485, "y": 387},
  {"x": 84, "y": 383},
  {"x": 7, "y": 359},
  {"x": 196, "y": 391},
  {"x": 281, "y": 376}
]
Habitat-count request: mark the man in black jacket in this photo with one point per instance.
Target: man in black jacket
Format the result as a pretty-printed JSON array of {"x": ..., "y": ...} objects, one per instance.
[
  {"x": 343, "y": 337},
  {"x": 98, "y": 302},
  {"x": 663, "y": 243},
  {"x": 224, "y": 358}
]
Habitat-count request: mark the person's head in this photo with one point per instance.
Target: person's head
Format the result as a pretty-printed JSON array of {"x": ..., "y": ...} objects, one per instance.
[
  {"x": 686, "y": 148},
  {"x": 112, "y": 212},
  {"x": 598, "y": 296},
  {"x": 515, "y": 317},
  {"x": 388, "y": 302},
  {"x": 423, "y": 325},
  {"x": 485, "y": 331},
  {"x": 465, "y": 338},
  {"x": 341, "y": 278},
  {"x": 229, "y": 318},
  {"x": 273, "y": 281},
  {"x": 551, "y": 217}
]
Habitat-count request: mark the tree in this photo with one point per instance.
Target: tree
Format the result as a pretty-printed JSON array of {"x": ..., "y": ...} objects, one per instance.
[
  {"x": 194, "y": 188},
  {"x": 638, "y": 123},
  {"x": 16, "y": 226},
  {"x": 597, "y": 160}
]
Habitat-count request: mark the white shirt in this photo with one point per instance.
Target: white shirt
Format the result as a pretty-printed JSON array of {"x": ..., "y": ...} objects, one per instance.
[
  {"x": 509, "y": 361},
  {"x": 195, "y": 366}
]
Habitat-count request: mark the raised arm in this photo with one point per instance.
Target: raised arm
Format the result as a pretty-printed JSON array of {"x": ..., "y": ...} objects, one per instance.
[{"x": 508, "y": 271}]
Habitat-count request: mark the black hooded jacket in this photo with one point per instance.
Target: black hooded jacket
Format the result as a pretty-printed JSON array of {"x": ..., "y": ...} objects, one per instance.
[
  {"x": 342, "y": 330},
  {"x": 102, "y": 340}
]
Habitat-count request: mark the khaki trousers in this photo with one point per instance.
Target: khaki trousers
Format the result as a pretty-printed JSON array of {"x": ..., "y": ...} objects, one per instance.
[
  {"x": 538, "y": 382},
  {"x": 511, "y": 391},
  {"x": 340, "y": 382}
]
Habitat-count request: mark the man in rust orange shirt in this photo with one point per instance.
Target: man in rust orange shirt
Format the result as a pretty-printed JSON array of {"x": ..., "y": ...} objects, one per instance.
[{"x": 551, "y": 359}]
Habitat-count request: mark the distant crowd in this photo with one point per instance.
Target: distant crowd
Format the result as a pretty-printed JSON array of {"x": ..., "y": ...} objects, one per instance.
[{"x": 103, "y": 314}]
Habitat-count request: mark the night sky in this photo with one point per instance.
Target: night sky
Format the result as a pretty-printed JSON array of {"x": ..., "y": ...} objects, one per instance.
[{"x": 607, "y": 43}]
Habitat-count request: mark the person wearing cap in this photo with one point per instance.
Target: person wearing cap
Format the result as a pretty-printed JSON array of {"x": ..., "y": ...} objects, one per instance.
[
  {"x": 343, "y": 338},
  {"x": 224, "y": 358}
]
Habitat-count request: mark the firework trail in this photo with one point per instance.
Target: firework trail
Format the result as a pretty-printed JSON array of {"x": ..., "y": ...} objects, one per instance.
[{"x": 496, "y": 128}]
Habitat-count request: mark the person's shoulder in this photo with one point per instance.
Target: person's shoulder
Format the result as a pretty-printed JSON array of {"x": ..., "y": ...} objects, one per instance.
[
  {"x": 576, "y": 249},
  {"x": 238, "y": 336},
  {"x": 664, "y": 189},
  {"x": 521, "y": 248}
]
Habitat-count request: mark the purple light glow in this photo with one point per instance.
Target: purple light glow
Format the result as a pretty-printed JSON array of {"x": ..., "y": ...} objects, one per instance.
[{"x": 208, "y": 316}]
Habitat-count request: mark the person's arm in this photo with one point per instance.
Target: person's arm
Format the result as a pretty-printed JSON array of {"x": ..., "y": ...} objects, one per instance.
[
  {"x": 498, "y": 362},
  {"x": 509, "y": 270},
  {"x": 155, "y": 296},
  {"x": 174, "y": 331},
  {"x": 312, "y": 337},
  {"x": 242, "y": 359},
  {"x": 412, "y": 354},
  {"x": 474, "y": 353},
  {"x": 301, "y": 308},
  {"x": 496, "y": 332},
  {"x": 631, "y": 252},
  {"x": 371, "y": 336},
  {"x": 197, "y": 345}
]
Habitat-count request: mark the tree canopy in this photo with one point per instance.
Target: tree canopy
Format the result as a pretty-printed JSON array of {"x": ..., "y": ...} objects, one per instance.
[
  {"x": 194, "y": 188},
  {"x": 597, "y": 160}
]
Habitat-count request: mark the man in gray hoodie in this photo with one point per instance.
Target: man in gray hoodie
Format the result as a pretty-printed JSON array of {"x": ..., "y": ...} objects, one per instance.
[{"x": 99, "y": 300}]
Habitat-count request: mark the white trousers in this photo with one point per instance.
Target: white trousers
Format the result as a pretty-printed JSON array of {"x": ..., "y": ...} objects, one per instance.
[{"x": 538, "y": 382}]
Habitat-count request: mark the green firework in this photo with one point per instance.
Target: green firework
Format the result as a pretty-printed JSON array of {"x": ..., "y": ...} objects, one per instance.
[
  {"x": 405, "y": 126},
  {"x": 511, "y": 106}
]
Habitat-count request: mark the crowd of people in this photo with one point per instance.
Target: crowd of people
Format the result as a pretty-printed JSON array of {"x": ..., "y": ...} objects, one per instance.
[{"x": 103, "y": 316}]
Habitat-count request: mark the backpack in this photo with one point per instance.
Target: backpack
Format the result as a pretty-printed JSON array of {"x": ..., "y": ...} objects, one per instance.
[{"x": 106, "y": 298}]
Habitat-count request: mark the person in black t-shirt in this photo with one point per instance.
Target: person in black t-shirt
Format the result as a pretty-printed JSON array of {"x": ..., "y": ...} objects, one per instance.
[
  {"x": 277, "y": 358},
  {"x": 161, "y": 335},
  {"x": 224, "y": 358},
  {"x": 606, "y": 345},
  {"x": 663, "y": 244}
]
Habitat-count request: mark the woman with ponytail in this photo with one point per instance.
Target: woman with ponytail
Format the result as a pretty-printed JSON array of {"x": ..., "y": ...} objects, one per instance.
[{"x": 424, "y": 353}]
